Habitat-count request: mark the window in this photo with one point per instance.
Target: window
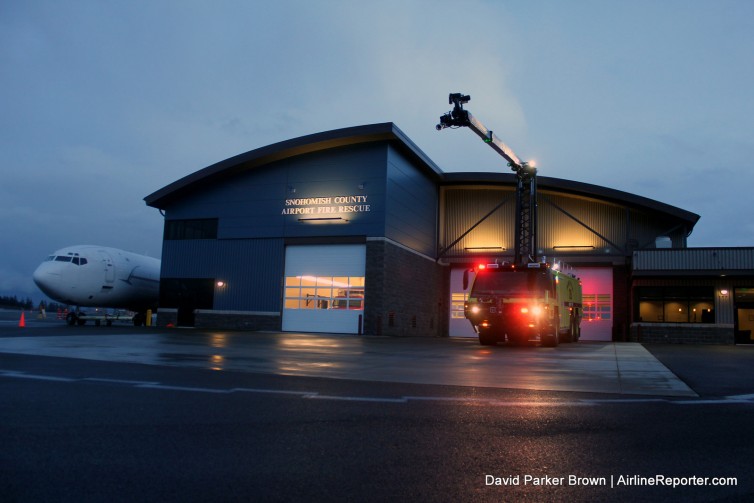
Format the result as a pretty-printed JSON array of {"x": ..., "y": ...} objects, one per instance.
[
  {"x": 596, "y": 307},
  {"x": 512, "y": 282},
  {"x": 457, "y": 301},
  {"x": 744, "y": 295},
  {"x": 324, "y": 292},
  {"x": 201, "y": 228},
  {"x": 675, "y": 304}
]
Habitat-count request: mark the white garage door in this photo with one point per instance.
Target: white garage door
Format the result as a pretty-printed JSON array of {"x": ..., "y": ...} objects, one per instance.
[
  {"x": 324, "y": 288},
  {"x": 597, "y": 289},
  {"x": 458, "y": 325}
]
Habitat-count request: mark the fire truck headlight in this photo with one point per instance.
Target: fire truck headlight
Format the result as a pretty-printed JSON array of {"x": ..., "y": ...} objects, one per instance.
[
  {"x": 536, "y": 310},
  {"x": 474, "y": 309}
]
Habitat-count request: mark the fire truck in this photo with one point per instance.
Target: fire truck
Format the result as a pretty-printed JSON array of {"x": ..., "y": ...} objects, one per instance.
[
  {"x": 527, "y": 300},
  {"x": 532, "y": 303}
]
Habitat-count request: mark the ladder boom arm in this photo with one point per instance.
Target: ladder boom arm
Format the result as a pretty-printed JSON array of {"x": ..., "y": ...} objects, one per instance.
[
  {"x": 526, "y": 177},
  {"x": 458, "y": 117}
]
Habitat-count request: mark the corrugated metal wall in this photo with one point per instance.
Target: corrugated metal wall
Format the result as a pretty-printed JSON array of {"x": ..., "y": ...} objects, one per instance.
[
  {"x": 464, "y": 207},
  {"x": 558, "y": 231},
  {"x": 252, "y": 269},
  {"x": 699, "y": 259},
  {"x": 564, "y": 222}
]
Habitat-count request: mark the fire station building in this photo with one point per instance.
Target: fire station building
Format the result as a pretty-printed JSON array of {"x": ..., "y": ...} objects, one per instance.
[{"x": 357, "y": 231}]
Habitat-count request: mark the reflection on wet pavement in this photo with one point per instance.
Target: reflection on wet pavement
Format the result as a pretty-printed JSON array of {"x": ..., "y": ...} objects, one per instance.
[{"x": 624, "y": 368}]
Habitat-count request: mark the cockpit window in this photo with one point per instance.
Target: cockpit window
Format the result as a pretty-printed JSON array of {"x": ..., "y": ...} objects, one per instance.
[
  {"x": 50, "y": 258},
  {"x": 61, "y": 258},
  {"x": 82, "y": 261}
]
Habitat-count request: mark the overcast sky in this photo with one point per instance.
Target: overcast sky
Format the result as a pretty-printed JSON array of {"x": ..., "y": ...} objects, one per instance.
[{"x": 104, "y": 102}]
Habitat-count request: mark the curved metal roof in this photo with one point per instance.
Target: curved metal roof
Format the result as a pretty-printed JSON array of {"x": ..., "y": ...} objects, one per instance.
[
  {"x": 389, "y": 132},
  {"x": 386, "y": 131}
]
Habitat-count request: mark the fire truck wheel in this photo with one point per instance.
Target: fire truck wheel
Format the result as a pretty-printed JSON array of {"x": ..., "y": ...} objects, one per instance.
[
  {"x": 70, "y": 319},
  {"x": 486, "y": 338},
  {"x": 551, "y": 340},
  {"x": 568, "y": 337}
]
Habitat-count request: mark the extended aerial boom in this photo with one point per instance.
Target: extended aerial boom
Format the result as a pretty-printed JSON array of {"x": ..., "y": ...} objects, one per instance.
[
  {"x": 526, "y": 176},
  {"x": 458, "y": 117}
]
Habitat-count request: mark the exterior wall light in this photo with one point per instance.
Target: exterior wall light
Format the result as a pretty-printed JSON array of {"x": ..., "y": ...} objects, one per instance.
[
  {"x": 324, "y": 220},
  {"x": 485, "y": 248},
  {"x": 573, "y": 247},
  {"x": 724, "y": 292},
  {"x": 220, "y": 284}
]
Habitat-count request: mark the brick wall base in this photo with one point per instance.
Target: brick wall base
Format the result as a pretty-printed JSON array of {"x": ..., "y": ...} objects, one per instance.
[{"x": 405, "y": 293}]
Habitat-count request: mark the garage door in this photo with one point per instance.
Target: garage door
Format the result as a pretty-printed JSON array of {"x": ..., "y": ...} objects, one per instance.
[
  {"x": 324, "y": 288},
  {"x": 597, "y": 289},
  {"x": 458, "y": 325}
]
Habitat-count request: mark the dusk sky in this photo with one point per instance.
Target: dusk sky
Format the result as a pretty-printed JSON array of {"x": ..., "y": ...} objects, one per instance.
[{"x": 103, "y": 103}]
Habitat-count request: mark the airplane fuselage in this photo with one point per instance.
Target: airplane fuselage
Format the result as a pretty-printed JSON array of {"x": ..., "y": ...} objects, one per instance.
[{"x": 98, "y": 276}]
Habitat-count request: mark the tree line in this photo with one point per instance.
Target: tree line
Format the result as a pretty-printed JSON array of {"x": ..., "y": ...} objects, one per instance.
[{"x": 8, "y": 302}]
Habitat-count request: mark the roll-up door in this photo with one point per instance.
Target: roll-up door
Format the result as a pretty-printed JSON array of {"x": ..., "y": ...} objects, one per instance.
[
  {"x": 324, "y": 288},
  {"x": 458, "y": 325},
  {"x": 597, "y": 289}
]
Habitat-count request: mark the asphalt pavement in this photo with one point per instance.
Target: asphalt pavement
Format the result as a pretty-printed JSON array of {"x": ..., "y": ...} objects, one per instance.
[
  {"x": 143, "y": 414},
  {"x": 619, "y": 368}
]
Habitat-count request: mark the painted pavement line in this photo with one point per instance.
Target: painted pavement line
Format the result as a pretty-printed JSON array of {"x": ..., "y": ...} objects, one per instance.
[
  {"x": 118, "y": 381},
  {"x": 193, "y": 389},
  {"x": 738, "y": 399},
  {"x": 24, "y": 375}
]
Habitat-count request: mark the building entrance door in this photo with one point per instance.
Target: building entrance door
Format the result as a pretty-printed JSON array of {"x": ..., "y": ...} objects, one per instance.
[
  {"x": 744, "y": 304},
  {"x": 745, "y": 325}
]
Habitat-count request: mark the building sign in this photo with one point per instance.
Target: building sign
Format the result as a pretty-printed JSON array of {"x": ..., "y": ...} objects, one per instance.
[{"x": 326, "y": 205}]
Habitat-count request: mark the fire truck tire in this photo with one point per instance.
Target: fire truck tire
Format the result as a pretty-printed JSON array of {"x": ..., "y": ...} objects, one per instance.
[
  {"x": 70, "y": 319},
  {"x": 572, "y": 332},
  {"x": 570, "y": 335},
  {"x": 486, "y": 338},
  {"x": 552, "y": 339}
]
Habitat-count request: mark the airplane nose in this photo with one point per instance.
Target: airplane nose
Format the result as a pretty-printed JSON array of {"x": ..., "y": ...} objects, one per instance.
[{"x": 44, "y": 277}]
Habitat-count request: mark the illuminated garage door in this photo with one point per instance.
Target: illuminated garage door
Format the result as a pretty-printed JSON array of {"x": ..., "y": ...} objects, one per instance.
[
  {"x": 324, "y": 288},
  {"x": 458, "y": 325},
  {"x": 597, "y": 288}
]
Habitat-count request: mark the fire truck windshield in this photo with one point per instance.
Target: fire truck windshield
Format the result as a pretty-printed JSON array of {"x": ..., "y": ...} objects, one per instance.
[{"x": 512, "y": 282}]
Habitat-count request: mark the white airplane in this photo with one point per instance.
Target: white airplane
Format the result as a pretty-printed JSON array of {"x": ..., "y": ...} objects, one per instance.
[{"x": 97, "y": 276}]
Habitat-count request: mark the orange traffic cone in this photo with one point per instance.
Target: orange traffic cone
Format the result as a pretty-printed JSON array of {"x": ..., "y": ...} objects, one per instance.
[{"x": 22, "y": 321}]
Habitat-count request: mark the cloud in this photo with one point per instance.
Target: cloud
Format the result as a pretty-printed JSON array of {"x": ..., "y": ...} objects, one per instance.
[{"x": 104, "y": 103}]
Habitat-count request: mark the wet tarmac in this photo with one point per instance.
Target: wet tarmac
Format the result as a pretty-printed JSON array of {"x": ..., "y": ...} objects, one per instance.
[{"x": 597, "y": 367}]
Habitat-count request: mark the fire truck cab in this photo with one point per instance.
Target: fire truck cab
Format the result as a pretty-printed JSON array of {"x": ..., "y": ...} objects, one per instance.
[{"x": 524, "y": 304}]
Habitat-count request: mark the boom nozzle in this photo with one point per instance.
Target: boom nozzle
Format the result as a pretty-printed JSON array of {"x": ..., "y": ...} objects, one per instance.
[
  {"x": 458, "y": 99},
  {"x": 458, "y": 116}
]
